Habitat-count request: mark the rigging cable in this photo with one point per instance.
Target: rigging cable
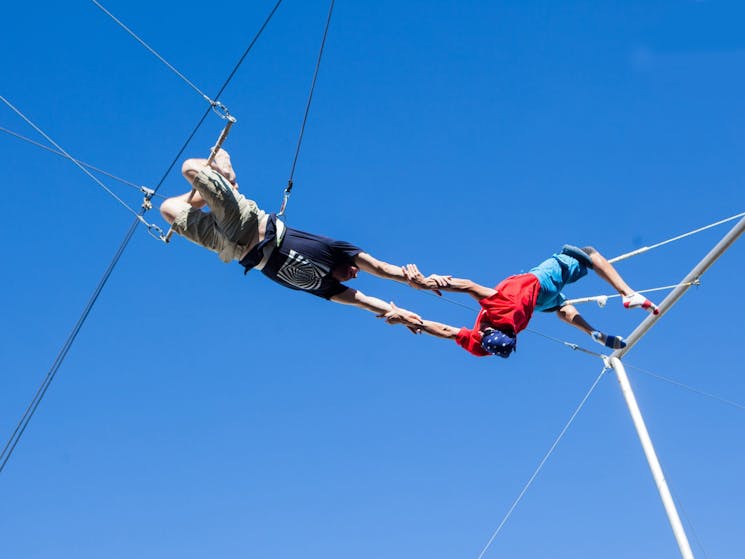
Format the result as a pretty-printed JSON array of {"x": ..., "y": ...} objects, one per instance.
[
  {"x": 684, "y": 235},
  {"x": 79, "y": 162},
  {"x": 541, "y": 464},
  {"x": 288, "y": 188},
  {"x": 152, "y": 228},
  {"x": 687, "y": 387},
  {"x": 153, "y": 51},
  {"x": 602, "y": 299},
  {"x": 31, "y": 409}
]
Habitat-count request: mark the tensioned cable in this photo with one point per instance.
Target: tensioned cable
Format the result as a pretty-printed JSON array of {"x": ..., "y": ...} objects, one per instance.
[
  {"x": 687, "y": 387},
  {"x": 152, "y": 50},
  {"x": 23, "y": 423},
  {"x": 28, "y": 414},
  {"x": 138, "y": 216},
  {"x": 684, "y": 235},
  {"x": 83, "y": 163},
  {"x": 219, "y": 93},
  {"x": 288, "y": 189},
  {"x": 540, "y": 465},
  {"x": 570, "y": 345},
  {"x": 601, "y": 299}
]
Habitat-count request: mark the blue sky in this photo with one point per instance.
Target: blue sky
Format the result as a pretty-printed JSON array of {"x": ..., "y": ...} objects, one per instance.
[{"x": 204, "y": 413}]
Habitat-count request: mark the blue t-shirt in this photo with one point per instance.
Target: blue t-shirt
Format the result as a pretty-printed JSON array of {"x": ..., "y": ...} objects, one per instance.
[{"x": 304, "y": 261}]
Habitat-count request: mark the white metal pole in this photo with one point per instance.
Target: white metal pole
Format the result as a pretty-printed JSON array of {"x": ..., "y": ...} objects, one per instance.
[
  {"x": 683, "y": 286},
  {"x": 654, "y": 463},
  {"x": 623, "y": 379}
]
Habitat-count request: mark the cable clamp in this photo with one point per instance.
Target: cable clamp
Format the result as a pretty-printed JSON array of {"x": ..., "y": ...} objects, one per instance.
[
  {"x": 147, "y": 203},
  {"x": 222, "y": 111}
]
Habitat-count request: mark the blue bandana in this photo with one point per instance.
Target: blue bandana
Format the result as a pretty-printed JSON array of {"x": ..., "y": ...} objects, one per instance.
[{"x": 499, "y": 343}]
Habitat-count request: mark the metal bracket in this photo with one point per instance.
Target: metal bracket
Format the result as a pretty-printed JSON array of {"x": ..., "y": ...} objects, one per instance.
[{"x": 147, "y": 203}]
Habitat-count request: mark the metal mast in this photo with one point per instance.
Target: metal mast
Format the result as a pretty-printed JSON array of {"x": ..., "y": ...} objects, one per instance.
[{"x": 623, "y": 380}]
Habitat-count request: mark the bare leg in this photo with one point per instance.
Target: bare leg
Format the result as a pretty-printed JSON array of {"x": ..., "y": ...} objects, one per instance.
[
  {"x": 570, "y": 315},
  {"x": 171, "y": 207},
  {"x": 631, "y": 299},
  {"x": 606, "y": 271}
]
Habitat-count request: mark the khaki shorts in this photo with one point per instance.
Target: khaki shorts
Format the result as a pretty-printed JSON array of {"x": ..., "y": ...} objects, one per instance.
[{"x": 232, "y": 224}]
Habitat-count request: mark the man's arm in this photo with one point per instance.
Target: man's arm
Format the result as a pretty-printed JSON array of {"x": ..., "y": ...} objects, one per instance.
[
  {"x": 381, "y": 309},
  {"x": 437, "y": 329},
  {"x": 449, "y": 283},
  {"x": 384, "y": 270}
]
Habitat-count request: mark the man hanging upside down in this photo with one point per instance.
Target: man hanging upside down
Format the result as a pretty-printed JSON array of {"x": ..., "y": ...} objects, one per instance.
[
  {"x": 237, "y": 229},
  {"x": 507, "y": 308}
]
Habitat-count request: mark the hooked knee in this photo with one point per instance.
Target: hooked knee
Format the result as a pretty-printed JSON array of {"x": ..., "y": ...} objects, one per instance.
[
  {"x": 169, "y": 209},
  {"x": 191, "y": 167}
]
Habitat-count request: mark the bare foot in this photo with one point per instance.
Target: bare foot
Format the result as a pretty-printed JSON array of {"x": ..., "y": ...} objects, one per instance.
[{"x": 222, "y": 165}]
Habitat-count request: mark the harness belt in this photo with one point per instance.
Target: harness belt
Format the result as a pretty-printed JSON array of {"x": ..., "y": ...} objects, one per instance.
[{"x": 259, "y": 255}]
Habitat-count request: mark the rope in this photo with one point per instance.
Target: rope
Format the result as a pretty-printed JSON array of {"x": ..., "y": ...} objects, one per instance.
[
  {"x": 288, "y": 189},
  {"x": 690, "y": 388},
  {"x": 26, "y": 418},
  {"x": 601, "y": 299},
  {"x": 570, "y": 345},
  {"x": 31, "y": 409},
  {"x": 152, "y": 228},
  {"x": 158, "y": 56},
  {"x": 219, "y": 93},
  {"x": 540, "y": 465},
  {"x": 684, "y": 235},
  {"x": 84, "y": 164}
]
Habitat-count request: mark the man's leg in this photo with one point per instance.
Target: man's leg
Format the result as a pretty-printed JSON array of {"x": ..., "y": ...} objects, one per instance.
[
  {"x": 236, "y": 216},
  {"x": 570, "y": 315},
  {"x": 606, "y": 271}
]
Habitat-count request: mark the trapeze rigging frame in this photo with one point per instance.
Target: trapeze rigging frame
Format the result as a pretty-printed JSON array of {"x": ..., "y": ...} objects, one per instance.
[{"x": 615, "y": 363}]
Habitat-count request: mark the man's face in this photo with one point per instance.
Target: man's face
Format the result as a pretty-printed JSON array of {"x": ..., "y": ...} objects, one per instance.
[{"x": 345, "y": 272}]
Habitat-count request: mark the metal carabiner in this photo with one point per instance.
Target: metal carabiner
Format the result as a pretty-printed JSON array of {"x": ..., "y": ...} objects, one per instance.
[{"x": 222, "y": 111}]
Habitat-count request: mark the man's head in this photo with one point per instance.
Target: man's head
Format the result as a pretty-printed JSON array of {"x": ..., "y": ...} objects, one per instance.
[
  {"x": 497, "y": 342},
  {"x": 345, "y": 272}
]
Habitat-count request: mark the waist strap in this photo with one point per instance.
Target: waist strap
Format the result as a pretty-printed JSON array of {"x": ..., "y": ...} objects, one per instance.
[{"x": 259, "y": 255}]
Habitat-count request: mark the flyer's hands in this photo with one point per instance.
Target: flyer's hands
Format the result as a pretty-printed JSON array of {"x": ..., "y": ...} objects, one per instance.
[
  {"x": 398, "y": 315},
  {"x": 417, "y": 280}
]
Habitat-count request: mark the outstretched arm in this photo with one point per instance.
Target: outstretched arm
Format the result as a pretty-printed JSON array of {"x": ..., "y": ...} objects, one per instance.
[
  {"x": 381, "y": 309},
  {"x": 449, "y": 283},
  {"x": 437, "y": 329},
  {"x": 384, "y": 270}
]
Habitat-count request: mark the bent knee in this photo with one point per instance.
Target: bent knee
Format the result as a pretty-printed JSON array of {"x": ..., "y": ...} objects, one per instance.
[
  {"x": 590, "y": 250},
  {"x": 191, "y": 167},
  {"x": 169, "y": 209}
]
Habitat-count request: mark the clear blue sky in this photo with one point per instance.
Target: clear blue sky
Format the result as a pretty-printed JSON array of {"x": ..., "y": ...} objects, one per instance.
[{"x": 202, "y": 413}]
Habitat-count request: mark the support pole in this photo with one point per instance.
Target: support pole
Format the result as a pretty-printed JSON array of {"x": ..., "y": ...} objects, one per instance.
[
  {"x": 684, "y": 285},
  {"x": 654, "y": 463},
  {"x": 615, "y": 362}
]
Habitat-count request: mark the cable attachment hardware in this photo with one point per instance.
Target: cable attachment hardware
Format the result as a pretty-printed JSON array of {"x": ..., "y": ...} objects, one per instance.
[
  {"x": 222, "y": 111},
  {"x": 153, "y": 230},
  {"x": 602, "y": 300},
  {"x": 147, "y": 203},
  {"x": 285, "y": 198}
]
